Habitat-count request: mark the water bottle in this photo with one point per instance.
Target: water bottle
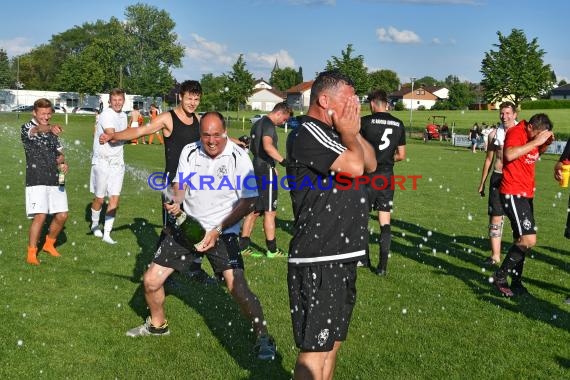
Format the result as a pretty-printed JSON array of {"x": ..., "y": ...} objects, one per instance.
[{"x": 60, "y": 176}]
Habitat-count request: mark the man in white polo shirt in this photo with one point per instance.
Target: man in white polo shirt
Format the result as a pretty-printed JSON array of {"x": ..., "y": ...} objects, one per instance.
[{"x": 210, "y": 181}]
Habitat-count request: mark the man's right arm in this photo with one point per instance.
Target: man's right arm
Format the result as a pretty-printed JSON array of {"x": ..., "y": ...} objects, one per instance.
[{"x": 133, "y": 133}]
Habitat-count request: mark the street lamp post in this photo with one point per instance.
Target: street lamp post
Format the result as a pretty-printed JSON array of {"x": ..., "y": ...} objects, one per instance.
[{"x": 411, "y": 104}]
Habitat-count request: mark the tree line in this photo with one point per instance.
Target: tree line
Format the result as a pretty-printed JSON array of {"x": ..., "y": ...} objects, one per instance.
[{"x": 139, "y": 54}]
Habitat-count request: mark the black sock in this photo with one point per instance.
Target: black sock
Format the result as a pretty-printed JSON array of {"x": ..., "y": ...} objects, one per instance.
[
  {"x": 514, "y": 259},
  {"x": 244, "y": 242},
  {"x": 385, "y": 241},
  {"x": 271, "y": 245}
]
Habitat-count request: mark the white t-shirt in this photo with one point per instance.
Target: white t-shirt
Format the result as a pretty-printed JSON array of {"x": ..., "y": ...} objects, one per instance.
[
  {"x": 215, "y": 185},
  {"x": 113, "y": 152}
]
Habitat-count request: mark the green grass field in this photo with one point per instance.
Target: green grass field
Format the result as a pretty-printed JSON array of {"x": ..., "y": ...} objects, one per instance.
[{"x": 434, "y": 316}]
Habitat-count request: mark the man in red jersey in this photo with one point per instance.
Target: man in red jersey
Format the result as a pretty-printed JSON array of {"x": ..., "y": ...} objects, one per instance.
[{"x": 523, "y": 145}]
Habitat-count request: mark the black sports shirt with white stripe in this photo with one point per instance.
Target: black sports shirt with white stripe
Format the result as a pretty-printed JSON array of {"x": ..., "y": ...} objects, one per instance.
[{"x": 331, "y": 225}]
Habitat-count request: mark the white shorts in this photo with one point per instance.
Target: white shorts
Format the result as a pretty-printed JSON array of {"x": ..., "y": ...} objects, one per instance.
[
  {"x": 43, "y": 199},
  {"x": 106, "y": 178}
]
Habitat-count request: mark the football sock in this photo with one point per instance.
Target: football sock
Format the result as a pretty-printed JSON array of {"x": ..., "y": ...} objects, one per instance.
[
  {"x": 515, "y": 257},
  {"x": 32, "y": 256},
  {"x": 271, "y": 245},
  {"x": 244, "y": 242},
  {"x": 385, "y": 241},
  {"x": 49, "y": 247},
  {"x": 95, "y": 215}
]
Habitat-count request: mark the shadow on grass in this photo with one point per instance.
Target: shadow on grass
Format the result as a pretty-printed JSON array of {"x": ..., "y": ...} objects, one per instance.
[
  {"x": 461, "y": 248},
  {"x": 213, "y": 303}
]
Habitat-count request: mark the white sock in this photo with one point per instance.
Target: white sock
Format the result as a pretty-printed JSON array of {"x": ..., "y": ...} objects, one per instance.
[
  {"x": 108, "y": 226},
  {"x": 95, "y": 215}
]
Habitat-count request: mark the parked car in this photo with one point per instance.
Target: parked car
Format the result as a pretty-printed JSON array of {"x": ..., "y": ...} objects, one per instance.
[
  {"x": 255, "y": 118},
  {"x": 59, "y": 109},
  {"x": 23, "y": 108},
  {"x": 86, "y": 110}
]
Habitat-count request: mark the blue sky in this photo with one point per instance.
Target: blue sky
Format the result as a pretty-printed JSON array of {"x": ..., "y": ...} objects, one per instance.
[{"x": 414, "y": 38}]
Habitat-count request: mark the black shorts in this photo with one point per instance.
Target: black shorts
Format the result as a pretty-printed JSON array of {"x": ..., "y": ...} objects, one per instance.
[
  {"x": 520, "y": 212},
  {"x": 174, "y": 251},
  {"x": 225, "y": 254},
  {"x": 267, "y": 187},
  {"x": 495, "y": 203},
  {"x": 381, "y": 195},
  {"x": 321, "y": 298}
]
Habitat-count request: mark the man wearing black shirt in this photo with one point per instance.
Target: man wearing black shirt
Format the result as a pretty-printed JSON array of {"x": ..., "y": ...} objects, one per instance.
[
  {"x": 387, "y": 135},
  {"x": 263, "y": 146},
  {"x": 44, "y": 195},
  {"x": 331, "y": 225}
]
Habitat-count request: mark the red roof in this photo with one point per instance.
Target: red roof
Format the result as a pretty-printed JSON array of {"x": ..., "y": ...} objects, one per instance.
[{"x": 301, "y": 87}]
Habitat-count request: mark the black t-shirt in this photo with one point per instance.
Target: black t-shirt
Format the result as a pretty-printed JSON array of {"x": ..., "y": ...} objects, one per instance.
[
  {"x": 331, "y": 225},
  {"x": 41, "y": 151},
  {"x": 385, "y": 133},
  {"x": 263, "y": 127},
  {"x": 182, "y": 135}
]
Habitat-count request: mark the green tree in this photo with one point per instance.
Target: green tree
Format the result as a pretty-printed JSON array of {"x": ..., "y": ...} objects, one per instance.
[
  {"x": 427, "y": 81},
  {"x": 283, "y": 79},
  {"x": 353, "y": 67},
  {"x": 6, "y": 77},
  {"x": 300, "y": 75},
  {"x": 461, "y": 95},
  {"x": 516, "y": 70},
  {"x": 451, "y": 80},
  {"x": 213, "y": 93},
  {"x": 154, "y": 50},
  {"x": 239, "y": 83},
  {"x": 386, "y": 80}
]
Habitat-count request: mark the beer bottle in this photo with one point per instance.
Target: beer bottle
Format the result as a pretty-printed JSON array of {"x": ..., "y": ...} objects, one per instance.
[{"x": 60, "y": 175}]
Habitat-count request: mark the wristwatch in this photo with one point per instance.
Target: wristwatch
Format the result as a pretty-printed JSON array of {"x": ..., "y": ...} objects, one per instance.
[{"x": 219, "y": 229}]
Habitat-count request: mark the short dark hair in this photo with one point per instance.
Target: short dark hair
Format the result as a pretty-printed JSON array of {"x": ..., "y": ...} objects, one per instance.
[
  {"x": 540, "y": 122},
  {"x": 282, "y": 107},
  {"x": 378, "y": 96},
  {"x": 190, "y": 87},
  {"x": 327, "y": 80}
]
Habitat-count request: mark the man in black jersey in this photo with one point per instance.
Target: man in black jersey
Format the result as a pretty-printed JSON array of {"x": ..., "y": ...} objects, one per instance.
[
  {"x": 44, "y": 194},
  {"x": 387, "y": 135},
  {"x": 180, "y": 127},
  {"x": 331, "y": 225},
  {"x": 263, "y": 146}
]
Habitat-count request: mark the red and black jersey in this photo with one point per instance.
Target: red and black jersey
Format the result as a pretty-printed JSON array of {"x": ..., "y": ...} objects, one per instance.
[{"x": 518, "y": 174}]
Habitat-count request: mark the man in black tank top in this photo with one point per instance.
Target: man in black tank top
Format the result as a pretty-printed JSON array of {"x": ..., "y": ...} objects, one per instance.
[{"x": 180, "y": 127}]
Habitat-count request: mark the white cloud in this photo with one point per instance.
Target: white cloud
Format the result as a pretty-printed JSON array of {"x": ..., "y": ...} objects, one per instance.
[
  {"x": 200, "y": 49},
  {"x": 16, "y": 46},
  {"x": 268, "y": 59},
  {"x": 393, "y": 35},
  {"x": 436, "y": 41}
]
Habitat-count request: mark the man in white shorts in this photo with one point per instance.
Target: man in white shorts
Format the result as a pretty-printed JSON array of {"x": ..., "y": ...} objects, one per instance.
[
  {"x": 107, "y": 165},
  {"x": 44, "y": 195}
]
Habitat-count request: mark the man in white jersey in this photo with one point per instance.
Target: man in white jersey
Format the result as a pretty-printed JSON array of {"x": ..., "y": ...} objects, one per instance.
[
  {"x": 210, "y": 182},
  {"x": 107, "y": 165}
]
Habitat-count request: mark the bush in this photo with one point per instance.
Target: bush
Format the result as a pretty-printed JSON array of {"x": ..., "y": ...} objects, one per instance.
[
  {"x": 545, "y": 104},
  {"x": 399, "y": 106},
  {"x": 421, "y": 108}
]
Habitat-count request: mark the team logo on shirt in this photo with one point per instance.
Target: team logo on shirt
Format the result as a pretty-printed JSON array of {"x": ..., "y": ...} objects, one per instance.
[
  {"x": 323, "y": 336},
  {"x": 222, "y": 171}
]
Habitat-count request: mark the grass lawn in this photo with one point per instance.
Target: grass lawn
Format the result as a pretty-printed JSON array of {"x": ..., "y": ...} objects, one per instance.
[{"x": 434, "y": 316}]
